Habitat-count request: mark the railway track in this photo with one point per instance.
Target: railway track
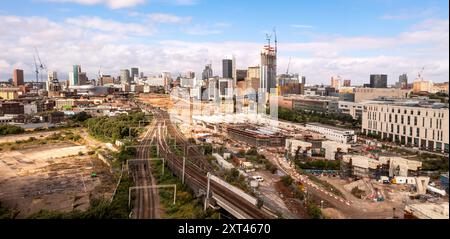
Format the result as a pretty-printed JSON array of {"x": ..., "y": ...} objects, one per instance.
[
  {"x": 196, "y": 167},
  {"x": 146, "y": 201}
]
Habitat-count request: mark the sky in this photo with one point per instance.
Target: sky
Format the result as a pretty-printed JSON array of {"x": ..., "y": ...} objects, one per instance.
[{"x": 320, "y": 38}]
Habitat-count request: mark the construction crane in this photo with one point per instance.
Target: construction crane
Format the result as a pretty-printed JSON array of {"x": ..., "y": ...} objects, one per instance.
[
  {"x": 41, "y": 65},
  {"x": 268, "y": 38},
  {"x": 420, "y": 73},
  {"x": 36, "y": 69},
  {"x": 276, "y": 41},
  {"x": 289, "y": 64}
]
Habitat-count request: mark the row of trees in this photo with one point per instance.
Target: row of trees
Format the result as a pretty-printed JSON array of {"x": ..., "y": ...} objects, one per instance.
[
  {"x": 113, "y": 128},
  {"x": 301, "y": 116},
  {"x": 10, "y": 129}
]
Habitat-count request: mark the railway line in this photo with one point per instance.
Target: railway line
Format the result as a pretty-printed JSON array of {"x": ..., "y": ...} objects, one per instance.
[
  {"x": 196, "y": 166},
  {"x": 147, "y": 200}
]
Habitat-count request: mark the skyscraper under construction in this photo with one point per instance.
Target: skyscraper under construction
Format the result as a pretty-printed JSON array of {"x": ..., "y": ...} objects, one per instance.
[{"x": 268, "y": 79}]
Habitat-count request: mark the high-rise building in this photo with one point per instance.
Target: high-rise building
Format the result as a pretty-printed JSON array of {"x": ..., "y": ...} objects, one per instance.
[
  {"x": 125, "y": 76},
  {"x": 268, "y": 78},
  {"x": 134, "y": 72},
  {"x": 190, "y": 74},
  {"x": 336, "y": 82},
  {"x": 240, "y": 75},
  {"x": 252, "y": 81},
  {"x": 421, "y": 85},
  {"x": 303, "y": 80},
  {"x": 82, "y": 78},
  {"x": 227, "y": 68},
  {"x": 106, "y": 80},
  {"x": 52, "y": 76},
  {"x": 403, "y": 81},
  {"x": 347, "y": 83},
  {"x": 18, "y": 77},
  {"x": 378, "y": 81},
  {"x": 76, "y": 72},
  {"x": 207, "y": 72}
]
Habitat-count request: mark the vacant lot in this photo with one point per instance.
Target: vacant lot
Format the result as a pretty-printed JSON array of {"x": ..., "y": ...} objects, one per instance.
[
  {"x": 14, "y": 138},
  {"x": 54, "y": 176}
]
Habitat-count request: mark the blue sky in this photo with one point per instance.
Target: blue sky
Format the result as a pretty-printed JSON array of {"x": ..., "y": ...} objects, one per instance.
[{"x": 324, "y": 37}]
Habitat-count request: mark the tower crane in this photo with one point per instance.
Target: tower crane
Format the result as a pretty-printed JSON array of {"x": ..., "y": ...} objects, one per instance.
[
  {"x": 41, "y": 65},
  {"x": 420, "y": 73},
  {"x": 289, "y": 64},
  {"x": 36, "y": 70}
]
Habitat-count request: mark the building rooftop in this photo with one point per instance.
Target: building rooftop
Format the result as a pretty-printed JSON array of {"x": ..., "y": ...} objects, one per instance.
[
  {"x": 329, "y": 127},
  {"x": 408, "y": 103}
]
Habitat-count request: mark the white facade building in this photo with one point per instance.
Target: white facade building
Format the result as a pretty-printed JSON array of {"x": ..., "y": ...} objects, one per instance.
[
  {"x": 345, "y": 136},
  {"x": 414, "y": 124},
  {"x": 351, "y": 108},
  {"x": 333, "y": 147}
]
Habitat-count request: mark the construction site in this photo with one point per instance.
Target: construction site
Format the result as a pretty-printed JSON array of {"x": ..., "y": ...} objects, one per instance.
[{"x": 57, "y": 175}]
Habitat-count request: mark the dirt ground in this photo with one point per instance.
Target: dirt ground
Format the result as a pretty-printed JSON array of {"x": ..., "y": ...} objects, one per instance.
[
  {"x": 38, "y": 135},
  {"x": 395, "y": 197},
  {"x": 52, "y": 177},
  {"x": 294, "y": 206},
  {"x": 158, "y": 100}
]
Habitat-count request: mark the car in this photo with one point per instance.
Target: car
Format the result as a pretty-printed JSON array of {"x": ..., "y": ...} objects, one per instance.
[{"x": 258, "y": 178}]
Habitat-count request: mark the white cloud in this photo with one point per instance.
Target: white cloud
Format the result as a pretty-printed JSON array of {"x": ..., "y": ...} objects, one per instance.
[
  {"x": 95, "y": 42},
  {"x": 169, "y": 18},
  {"x": 113, "y": 4},
  {"x": 301, "y": 26},
  {"x": 110, "y": 26},
  {"x": 185, "y": 2}
]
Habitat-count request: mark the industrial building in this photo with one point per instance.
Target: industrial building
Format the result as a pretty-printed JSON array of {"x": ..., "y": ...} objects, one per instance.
[
  {"x": 417, "y": 124},
  {"x": 366, "y": 167},
  {"x": 341, "y": 135},
  {"x": 256, "y": 137}
]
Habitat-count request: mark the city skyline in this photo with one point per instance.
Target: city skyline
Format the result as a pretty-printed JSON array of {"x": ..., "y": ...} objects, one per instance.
[{"x": 374, "y": 37}]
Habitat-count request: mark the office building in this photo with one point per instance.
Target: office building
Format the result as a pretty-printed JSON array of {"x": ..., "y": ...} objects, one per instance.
[
  {"x": 207, "y": 72},
  {"x": 75, "y": 75},
  {"x": 336, "y": 82},
  {"x": 378, "y": 81},
  {"x": 413, "y": 123},
  {"x": 364, "y": 94},
  {"x": 317, "y": 104},
  {"x": 351, "y": 108},
  {"x": 82, "y": 78},
  {"x": 241, "y": 75},
  {"x": 134, "y": 72},
  {"x": 125, "y": 76},
  {"x": 229, "y": 68},
  {"x": 403, "y": 81},
  {"x": 252, "y": 80},
  {"x": 347, "y": 83},
  {"x": 303, "y": 80},
  {"x": 106, "y": 80},
  {"x": 18, "y": 77},
  {"x": 226, "y": 88}
]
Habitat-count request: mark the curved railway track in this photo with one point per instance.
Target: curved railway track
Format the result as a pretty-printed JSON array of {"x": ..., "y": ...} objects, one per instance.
[{"x": 196, "y": 167}]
